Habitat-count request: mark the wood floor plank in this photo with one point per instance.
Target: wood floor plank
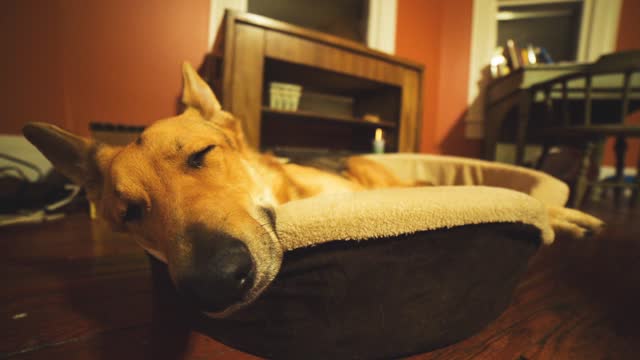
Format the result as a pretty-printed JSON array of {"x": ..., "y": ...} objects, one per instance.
[
  {"x": 104, "y": 305},
  {"x": 68, "y": 279},
  {"x": 135, "y": 343},
  {"x": 34, "y": 276}
]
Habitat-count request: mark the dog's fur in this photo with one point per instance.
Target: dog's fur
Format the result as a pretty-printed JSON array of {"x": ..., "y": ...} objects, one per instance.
[{"x": 196, "y": 169}]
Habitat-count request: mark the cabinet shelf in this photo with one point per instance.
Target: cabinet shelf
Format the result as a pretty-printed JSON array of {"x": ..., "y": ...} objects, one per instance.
[{"x": 335, "y": 118}]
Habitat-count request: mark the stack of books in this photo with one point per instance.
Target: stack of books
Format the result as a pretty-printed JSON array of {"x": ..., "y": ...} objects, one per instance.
[
  {"x": 523, "y": 56},
  {"x": 513, "y": 57}
]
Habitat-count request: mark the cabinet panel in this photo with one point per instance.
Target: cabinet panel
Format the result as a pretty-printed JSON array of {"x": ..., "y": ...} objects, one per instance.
[
  {"x": 246, "y": 84},
  {"x": 410, "y": 113},
  {"x": 297, "y": 50}
]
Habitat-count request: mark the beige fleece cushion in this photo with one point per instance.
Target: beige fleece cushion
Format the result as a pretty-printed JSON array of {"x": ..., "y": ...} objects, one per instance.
[
  {"x": 450, "y": 170},
  {"x": 390, "y": 212}
]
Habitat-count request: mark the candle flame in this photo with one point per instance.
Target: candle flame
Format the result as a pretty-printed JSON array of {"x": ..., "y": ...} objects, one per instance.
[
  {"x": 378, "y": 134},
  {"x": 532, "y": 57}
]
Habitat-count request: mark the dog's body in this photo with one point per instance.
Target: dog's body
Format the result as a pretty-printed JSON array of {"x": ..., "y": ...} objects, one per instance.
[{"x": 201, "y": 200}]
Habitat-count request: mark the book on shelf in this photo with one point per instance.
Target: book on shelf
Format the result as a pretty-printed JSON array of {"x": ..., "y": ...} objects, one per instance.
[{"x": 513, "y": 54}]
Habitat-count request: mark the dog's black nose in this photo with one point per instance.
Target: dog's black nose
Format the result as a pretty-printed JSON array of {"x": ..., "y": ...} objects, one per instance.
[{"x": 220, "y": 276}]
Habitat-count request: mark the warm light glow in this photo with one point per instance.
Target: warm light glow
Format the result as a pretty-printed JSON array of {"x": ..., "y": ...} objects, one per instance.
[
  {"x": 497, "y": 60},
  {"x": 532, "y": 56},
  {"x": 378, "y": 134}
]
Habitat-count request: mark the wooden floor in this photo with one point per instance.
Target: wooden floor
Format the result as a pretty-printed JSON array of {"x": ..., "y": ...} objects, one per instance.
[{"x": 71, "y": 290}]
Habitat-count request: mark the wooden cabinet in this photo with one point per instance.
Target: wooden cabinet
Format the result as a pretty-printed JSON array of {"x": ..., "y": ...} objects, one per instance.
[{"x": 252, "y": 51}]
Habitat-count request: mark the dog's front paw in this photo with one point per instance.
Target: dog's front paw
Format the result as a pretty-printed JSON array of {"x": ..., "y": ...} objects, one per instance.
[{"x": 573, "y": 223}]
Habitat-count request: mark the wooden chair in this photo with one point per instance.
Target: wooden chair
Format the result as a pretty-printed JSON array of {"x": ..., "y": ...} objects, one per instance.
[{"x": 584, "y": 109}]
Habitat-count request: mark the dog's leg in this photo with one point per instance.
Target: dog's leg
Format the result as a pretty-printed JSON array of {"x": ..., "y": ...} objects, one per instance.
[
  {"x": 573, "y": 223},
  {"x": 371, "y": 174}
]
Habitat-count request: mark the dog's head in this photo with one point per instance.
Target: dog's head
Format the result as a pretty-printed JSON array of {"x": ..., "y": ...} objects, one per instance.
[{"x": 187, "y": 188}]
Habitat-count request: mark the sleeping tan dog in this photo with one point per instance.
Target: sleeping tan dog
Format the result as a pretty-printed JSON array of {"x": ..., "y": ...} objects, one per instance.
[{"x": 201, "y": 200}]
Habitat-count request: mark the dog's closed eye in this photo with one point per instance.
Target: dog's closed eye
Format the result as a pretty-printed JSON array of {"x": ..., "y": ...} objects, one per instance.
[
  {"x": 133, "y": 213},
  {"x": 196, "y": 160}
]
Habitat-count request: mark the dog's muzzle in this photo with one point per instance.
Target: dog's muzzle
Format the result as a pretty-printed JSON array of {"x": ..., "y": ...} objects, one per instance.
[{"x": 220, "y": 274}]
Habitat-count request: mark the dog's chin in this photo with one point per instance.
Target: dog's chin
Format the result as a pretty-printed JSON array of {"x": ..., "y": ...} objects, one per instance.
[
  {"x": 266, "y": 271},
  {"x": 155, "y": 253},
  {"x": 226, "y": 312},
  {"x": 249, "y": 298},
  {"x": 266, "y": 254}
]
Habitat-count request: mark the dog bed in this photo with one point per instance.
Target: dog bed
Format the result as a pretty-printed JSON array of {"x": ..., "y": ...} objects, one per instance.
[{"x": 392, "y": 272}]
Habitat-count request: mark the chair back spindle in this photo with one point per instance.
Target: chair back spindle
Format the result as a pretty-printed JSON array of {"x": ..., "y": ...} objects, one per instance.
[
  {"x": 548, "y": 105},
  {"x": 587, "y": 99},
  {"x": 626, "y": 91},
  {"x": 565, "y": 104}
]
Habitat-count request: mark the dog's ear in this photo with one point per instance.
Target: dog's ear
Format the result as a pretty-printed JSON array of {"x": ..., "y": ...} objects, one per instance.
[
  {"x": 72, "y": 155},
  {"x": 198, "y": 97},
  {"x": 196, "y": 94}
]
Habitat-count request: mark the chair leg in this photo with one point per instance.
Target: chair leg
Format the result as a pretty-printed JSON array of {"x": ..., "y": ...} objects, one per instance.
[
  {"x": 636, "y": 189},
  {"x": 546, "y": 146},
  {"x": 582, "y": 181},
  {"x": 523, "y": 121},
  {"x": 595, "y": 190},
  {"x": 620, "y": 150}
]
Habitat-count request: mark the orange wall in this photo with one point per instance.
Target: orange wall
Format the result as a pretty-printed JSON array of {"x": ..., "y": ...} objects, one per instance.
[
  {"x": 31, "y": 85},
  {"x": 628, "y": 32},
  {"x": 438, "y": 34},
  {"x": 418, "y": 38},
  {"x": 74, "y": 61},
  {"x": 455, "y": 53}
]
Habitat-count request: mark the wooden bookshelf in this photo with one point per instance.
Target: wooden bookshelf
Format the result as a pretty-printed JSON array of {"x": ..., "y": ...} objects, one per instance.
[
  {"x": 252, "y": 51},
  {"x": 322, "y": 117}
]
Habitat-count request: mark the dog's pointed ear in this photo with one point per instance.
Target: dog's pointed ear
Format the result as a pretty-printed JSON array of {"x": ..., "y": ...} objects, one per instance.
[
  {"x": 196, "y": 94},
  {"x": 72, "y": 155}
]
